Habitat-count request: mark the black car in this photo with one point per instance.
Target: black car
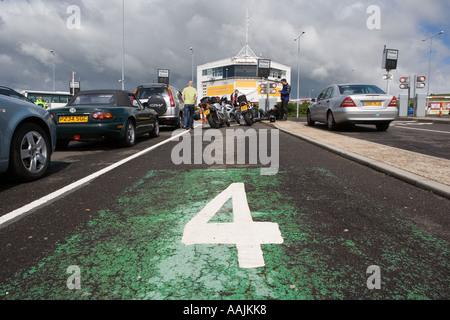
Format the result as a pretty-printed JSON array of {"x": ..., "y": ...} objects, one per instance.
[{"x": 99, "y": 114}]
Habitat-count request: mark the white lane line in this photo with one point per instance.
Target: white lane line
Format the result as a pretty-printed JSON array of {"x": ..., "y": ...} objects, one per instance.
[
  {"x": 402, "y": 127},
  {"x": 23, "y": 211}
]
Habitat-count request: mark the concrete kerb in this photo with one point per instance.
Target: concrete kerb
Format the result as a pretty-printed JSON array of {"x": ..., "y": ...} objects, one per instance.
[{"x": 406, "y": 176}]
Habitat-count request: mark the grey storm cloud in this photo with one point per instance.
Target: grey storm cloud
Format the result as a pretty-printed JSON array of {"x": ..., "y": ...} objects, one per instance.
[{"x": 338, "y": 44}]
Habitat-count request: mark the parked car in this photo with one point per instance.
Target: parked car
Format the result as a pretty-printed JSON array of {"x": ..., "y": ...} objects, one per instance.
[
  {"x": 27, "y": 138},
  {"x": 100, "y": 114},
  {"x": 353, "y": 103},
  {"x": 166, "y": 100},
  {"x": 12, "y": 93}
]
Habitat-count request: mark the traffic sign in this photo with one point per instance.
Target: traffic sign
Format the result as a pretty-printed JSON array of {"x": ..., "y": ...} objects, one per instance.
[
  {"x": 163, "y": 76},
  {"x": 404, "y": 83},
  {"x": 420, "y": 82},
  {"x": 270, "y": 87},
  {"x": 263, "y": 68},
  {"x": 390, "y": 58}
]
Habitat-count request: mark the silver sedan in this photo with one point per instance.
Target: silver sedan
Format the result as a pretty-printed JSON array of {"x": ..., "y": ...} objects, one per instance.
[{"x": 353, "y": 103}]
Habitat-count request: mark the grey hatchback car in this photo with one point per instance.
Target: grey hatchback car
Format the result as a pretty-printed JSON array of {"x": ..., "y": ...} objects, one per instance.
[
  {"x": 165, "y": 99},
  {"x": 27, "y": 138},
  {"x": 354, "y": 104}
]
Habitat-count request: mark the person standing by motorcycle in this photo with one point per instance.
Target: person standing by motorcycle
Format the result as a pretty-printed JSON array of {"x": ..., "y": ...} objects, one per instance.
[
  {"x": 189, "y": 96},
  {"x": 234, "y": 98},
  {"x": 284, "y": 93}
]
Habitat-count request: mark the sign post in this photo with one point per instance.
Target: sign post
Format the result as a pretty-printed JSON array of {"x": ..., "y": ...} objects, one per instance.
[{"x": 390, "y": 57}]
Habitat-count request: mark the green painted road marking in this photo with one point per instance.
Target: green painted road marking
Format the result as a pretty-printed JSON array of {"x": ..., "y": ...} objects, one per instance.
[{"x": 134, "y": 251}]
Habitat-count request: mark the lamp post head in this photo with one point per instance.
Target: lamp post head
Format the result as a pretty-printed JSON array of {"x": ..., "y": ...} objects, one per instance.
[{"x": 299, "y": 36}]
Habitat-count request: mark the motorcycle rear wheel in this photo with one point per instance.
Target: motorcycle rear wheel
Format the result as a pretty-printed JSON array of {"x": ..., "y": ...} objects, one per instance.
[
  {"x": 213, "y": 121},
  {"x": 248, "y": 118}
]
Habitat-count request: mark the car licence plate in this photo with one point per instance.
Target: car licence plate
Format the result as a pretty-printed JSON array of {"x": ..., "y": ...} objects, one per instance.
[
  {"x": 73, "y": 119},
  {"x": 243, "y": 108},
  {"x": 372, "y": 103},
  {"x": 206, "y": 112}
]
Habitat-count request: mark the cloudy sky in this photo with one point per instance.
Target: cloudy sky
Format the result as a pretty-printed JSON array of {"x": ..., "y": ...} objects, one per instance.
[{"x": 343, "y": 40}]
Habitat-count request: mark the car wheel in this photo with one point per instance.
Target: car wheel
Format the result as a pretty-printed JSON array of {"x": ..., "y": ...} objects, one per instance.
[
  {"x": 130, "y": 134},
  {"x": 330, "y": 121},
  {"x": 30, "y": 152},
  {"x": 308, "y": 119},
  {"x": 382, "y": 126},
  {"x": 155, "y": 131}
]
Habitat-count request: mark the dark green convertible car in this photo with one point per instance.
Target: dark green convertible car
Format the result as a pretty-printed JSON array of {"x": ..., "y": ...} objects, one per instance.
[{"x": 100, "y": 114}]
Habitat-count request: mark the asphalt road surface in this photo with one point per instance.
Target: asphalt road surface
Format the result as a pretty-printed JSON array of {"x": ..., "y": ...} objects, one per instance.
[
  {"x": 319, "y": 227},
  {"x": 423, "y": 137}
]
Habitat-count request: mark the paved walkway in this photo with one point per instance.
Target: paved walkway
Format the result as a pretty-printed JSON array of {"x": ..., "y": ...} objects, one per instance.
[{"x": 427, "y": 172}]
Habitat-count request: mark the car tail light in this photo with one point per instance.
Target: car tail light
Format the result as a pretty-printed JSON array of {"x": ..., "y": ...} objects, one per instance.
[
  {"x": 348, "y": 102},
  {"x": 172, "y": 103},
  {"x": 52, "y": 115},
  {"x": 102, "y": 115},
  {"x": 393, "y": 102}
]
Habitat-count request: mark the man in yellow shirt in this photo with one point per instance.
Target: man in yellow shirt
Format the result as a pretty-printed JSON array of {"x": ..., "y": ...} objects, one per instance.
[{"x": 190, "y": 96}]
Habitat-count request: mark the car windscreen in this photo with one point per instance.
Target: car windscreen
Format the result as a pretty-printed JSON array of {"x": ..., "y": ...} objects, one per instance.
[
  {"x": 11, "y": 93},
  {"x": 359, "y": 89},
  {"x": 94, "y": 98},
  {"x": 146, "y": 93}
]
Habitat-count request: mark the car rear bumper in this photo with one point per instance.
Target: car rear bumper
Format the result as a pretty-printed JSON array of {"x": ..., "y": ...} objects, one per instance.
[
  {"x": 86, "y": 132},
  {"x": 356, "y": 115},
  {"x": 169, "y": 120}
]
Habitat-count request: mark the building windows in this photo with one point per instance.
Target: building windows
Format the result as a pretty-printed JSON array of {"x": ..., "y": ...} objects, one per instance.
[
  {"x": 277, "y": 73},
  {"x": 213, "y": 72},
  {"x": 245, "y": 71}
]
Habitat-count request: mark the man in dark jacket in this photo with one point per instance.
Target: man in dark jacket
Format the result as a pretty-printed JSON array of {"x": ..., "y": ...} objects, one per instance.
[
  {"x": 234, "y": 98},
  {"x": 285, "y": 92}
]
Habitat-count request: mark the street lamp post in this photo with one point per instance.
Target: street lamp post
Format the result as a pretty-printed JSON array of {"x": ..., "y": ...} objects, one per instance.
[
  {"x": 192, "y": 64},
  {"x": 298, "y": 68},
  {"x": 122, "y": 80},
  {"x": 429, "y": 62},
  {"x": 53, "y": 64}
]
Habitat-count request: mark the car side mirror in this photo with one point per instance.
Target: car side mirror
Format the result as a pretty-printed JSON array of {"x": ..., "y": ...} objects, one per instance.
[
  {"x": 135, "y": 103},
  {"x": 313, "y": 100}
]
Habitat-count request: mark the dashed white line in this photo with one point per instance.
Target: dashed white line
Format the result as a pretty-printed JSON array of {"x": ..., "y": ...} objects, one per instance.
[{"x": 420, "y": 129}]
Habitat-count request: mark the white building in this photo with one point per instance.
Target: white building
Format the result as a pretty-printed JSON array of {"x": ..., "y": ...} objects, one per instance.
[{"x": 222, "y": 77}]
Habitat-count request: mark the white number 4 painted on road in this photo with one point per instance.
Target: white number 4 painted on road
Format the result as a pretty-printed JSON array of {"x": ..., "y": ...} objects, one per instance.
[{"x": 247, "y": 234}]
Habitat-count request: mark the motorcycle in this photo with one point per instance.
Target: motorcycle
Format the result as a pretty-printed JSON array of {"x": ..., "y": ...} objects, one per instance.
[
  {"x": 215, "y": 113},
  {"x": 246, "y": 110},
  {"x": 232, "y": 111},
  {"x": 235, "y": 114}
]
